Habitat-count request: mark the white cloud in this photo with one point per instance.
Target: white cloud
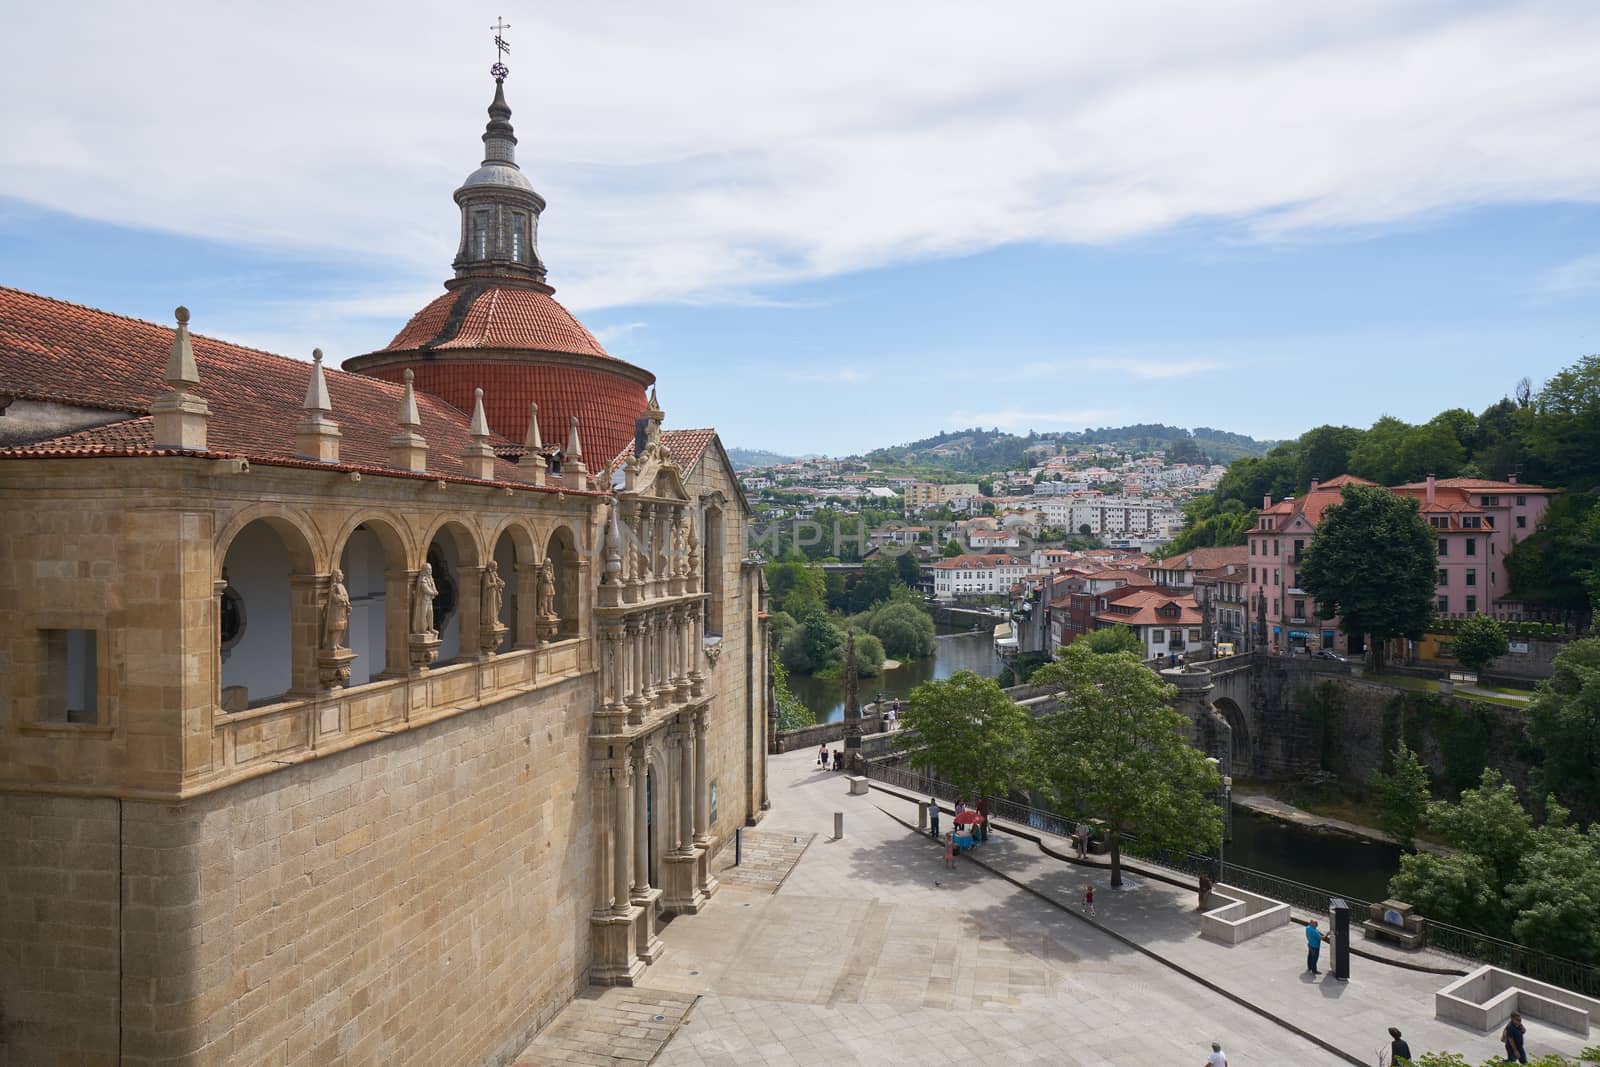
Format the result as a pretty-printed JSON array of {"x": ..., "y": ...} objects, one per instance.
[
  {"x": 1573, "y": 276},
  {"x": 703, "y": 151},
  {"x": 612, "y": 334}
]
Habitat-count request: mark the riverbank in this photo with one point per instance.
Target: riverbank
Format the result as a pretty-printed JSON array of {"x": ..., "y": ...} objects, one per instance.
[{"x": 1283, "y": 811}]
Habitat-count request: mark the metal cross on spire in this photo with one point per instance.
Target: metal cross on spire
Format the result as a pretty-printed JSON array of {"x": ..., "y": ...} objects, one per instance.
[{"x": 500, "y": 70}]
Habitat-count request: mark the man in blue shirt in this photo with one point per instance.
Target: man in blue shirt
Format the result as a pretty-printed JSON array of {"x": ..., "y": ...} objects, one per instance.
[{"x": 1313, "y": 946}]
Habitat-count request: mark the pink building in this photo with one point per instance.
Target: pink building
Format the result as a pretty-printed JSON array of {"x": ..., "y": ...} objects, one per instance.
[{"x": 1477, "y": 521}]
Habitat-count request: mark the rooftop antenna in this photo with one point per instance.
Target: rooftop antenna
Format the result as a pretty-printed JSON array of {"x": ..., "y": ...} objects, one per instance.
[{"x": 500, "y": 70}]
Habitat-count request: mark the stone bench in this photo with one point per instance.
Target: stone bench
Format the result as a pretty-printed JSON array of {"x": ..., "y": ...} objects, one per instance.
[
  {"x": 1238, "y": 915},
  {"x": 858, "y": 785},
  {"x": 1393, "y": 920},
  {"x": 1486, "y": 998}
]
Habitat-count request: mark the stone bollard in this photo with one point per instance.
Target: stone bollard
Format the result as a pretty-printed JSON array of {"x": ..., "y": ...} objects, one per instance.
[
  {"x": 838, "y": 825},
  {"x": 858, "y": 785},
  {"x": 922, "y": 816}
]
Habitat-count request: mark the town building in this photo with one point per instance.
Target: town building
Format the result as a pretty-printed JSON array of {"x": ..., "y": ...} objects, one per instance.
[
  {"x": 1167, "y": 625},
  {"x": 361, "y": 716},
  {"x": 977, "y": 575}
]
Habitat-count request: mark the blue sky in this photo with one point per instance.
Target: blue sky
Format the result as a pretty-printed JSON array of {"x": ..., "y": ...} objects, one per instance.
[{"x": 1239, "y": 218}]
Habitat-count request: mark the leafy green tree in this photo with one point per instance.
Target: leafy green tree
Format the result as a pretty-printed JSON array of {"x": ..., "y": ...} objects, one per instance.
[
  {"x": 869, "y": 655},
  {"x": 908, "y": 570},
  {"x": 1251, "y": 478},
  {"x": 816, "y": 643},
  {"x": 1118, "y": 638},
  {"x": 905, "y": 628},
  {"x": 985, "y": 487},
  {"x": 1564, "y": 725},
  {"x": 779, "y": 627},
  {"x": 1324, "y": 453},
  {"x": 792, "y": 582},
  {"x": 952, "y": 548},
  {"x": 1550, "y": 566},
  {"x": 1206, "y": 523},
  {"x": 1431, "y": 448},
  {"x": 1377, "y": 456},
  {"x": 1117, "y": 750},
  {"x": 1564, "y": 428},
  {"x": 1402, "y": 796},
  {"x": 878, "y": 577},
  {"x": 1372, "y": 562},
  {"x": 966, "y": 731},
  {"x": 792, "y": 712},
  {"x": 1478, "y": 640},
  {"x": 1557, "y": 891}
]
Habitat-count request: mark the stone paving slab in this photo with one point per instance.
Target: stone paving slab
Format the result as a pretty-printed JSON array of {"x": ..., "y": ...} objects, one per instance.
[
  {"x": 614, "y": 1027},
  {"x": 765, "y": 858}
]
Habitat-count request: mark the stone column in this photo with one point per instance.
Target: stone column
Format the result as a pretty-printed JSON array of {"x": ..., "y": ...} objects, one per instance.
[
  {"x": 641, "y": 829},
  {"x": 697, "y": 678},
  {"x": 621, "y": 833},
  {"x": 306, "y": 592},
  {"x": 632, "y": 653},
  {"x": 702, "y": 788},
  {"x": 527, "y": 583},
  {"x": 602, "y": 853},
  {"x": 686, "y": 786}
]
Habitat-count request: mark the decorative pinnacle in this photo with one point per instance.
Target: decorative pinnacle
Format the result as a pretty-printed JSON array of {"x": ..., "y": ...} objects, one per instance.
[
  {"x": 317, "y": 387},
  {"x": 480, "y": 425},
  {"x": 408, "y": 405},
  {"x": 532, "y": 443},
  {"x": 574, "y": 448},
  {"x": 181, "y": 369}
]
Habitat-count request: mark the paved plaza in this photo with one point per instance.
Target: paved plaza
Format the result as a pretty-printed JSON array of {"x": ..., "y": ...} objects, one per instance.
[{"x": 866, "y": 950}]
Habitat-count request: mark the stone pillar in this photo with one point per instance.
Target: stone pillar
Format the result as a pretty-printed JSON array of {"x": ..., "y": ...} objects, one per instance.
[
  {"x": 702, "y": 786},
  {"x": 632, "y": 653},
  {"x": 305, "y": 633},
  {"x": 527, "y": 582},
  {"x": 622, "y": 834},
  {"x": 602, "y": 854},
  {"x": 681, "y": 868},
  {"x": 697, "y": 678},
  {"x": 687, "y": 785},
  {"x": 641, "y": 829},
  {"x": 397, "y": 621}
]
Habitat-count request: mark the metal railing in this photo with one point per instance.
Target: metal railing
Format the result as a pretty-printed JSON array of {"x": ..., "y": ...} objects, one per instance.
[{"x": 1468, "y": 945}]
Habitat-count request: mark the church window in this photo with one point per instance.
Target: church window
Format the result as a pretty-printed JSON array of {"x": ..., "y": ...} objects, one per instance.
[
  {"x": 480, "y": 233},
  {"x": 519, "y": 237},
  {"x": 72, "y": 677},
  {"x": 713, "y": 569}
]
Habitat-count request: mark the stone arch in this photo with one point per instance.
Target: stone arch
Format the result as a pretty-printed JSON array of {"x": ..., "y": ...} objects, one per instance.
[
  {"x": 561, "y": 550},
  {"x": 1240, "y": 726},
  {"x": 267, "y": 610},
  {"x": 659, "y": 810},
  {"x": 373, "y": 552},
  {"x": 452, "y": 550},
  {"x": 516, "y": 559},
  {"x": 297, "y": 531}
]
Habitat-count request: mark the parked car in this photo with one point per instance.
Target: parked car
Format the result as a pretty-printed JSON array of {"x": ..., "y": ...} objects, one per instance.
[{"x": 1328, "y": 653}]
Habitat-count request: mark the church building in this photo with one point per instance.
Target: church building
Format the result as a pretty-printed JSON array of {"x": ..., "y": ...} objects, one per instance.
[{"x": 360, "y": 716}]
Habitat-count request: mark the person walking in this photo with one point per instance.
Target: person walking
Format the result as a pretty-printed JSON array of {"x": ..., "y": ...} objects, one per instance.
[
  {"x": 1512, "y": 1037},
  {"x": 1218, "y": 1058},
  {"x": 1088, "y": 899},
  {"x": 933, "y": 817},
  {"x": 1399, "y": 1051},
  {"x": 950, "y": 851},
  {"x": 822, "y": 756},
  {"x": 1313, "y": 946}
]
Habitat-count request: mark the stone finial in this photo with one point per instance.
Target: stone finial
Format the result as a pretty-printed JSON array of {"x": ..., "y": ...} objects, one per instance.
[
  {"x": 182, "y": 373},
  {"x": 408, "y": 449},
  {"x": 532, "y": 464},
  {"x": 180, "y": 416},
  {"x": 478, "y": 457},
  {"x": 655, "y": 406},
  {"x": 316, "y": 436},
  {"x": 317, "y": 388},
  {"x": 574, "y": 475}
]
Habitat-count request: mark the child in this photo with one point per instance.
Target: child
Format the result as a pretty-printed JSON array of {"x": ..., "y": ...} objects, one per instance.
[
  {"x": 1088, "y": 899},
  {"x": 950, "y": 851}
]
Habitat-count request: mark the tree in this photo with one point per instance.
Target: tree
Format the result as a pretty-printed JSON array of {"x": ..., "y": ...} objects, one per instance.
[
  {"x": 906, "y": 630},
  {"x": 1377, "y": 457},
  {"x": 1478, "y": 640},
  {"x": 1564, "y": 725},
  {"x": 985, "y": 487},
  {"x": 869, "y": 655},
  {"x": 908, "y": 569},
  {"x": 1118, "y": 638},
  {"x": 966, "y": 731},
  {"x": 792, "y": 712},
  {"x": 1564, "y": 428},
  {"x": 815, "y": 644},
  {"x": 1402, "y": 796},
  {"x": 1117, "y": 750},
  {"x": 1324, "y": 453},
  {"x": 1557, "y": 890},
  {"x": 1372, "y": 562},
  {"x": 952, "y": 548}
]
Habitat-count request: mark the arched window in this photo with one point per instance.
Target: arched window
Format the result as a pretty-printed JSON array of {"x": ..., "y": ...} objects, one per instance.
[
  {"x": 513, "y": 558},
  {"x": 446, "y": 563},
  {"x": 713, "y": 567},
  {"x": 257, "y": 612},
  {"x": 371, "y": 557}
]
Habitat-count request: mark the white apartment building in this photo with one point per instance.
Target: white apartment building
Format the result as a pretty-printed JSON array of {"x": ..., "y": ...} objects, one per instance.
[
  {"x": 977, "y": 575},
  {"x": 1110, "y": 516}
]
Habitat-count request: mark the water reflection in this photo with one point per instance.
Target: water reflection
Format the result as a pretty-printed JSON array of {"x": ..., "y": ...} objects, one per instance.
[
  {"x": 951, "y": 653},
  {"x": 1335, "y": 862}
]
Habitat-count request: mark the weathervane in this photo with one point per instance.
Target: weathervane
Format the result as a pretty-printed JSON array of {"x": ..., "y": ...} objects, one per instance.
[{"x": 500, "y": 70}]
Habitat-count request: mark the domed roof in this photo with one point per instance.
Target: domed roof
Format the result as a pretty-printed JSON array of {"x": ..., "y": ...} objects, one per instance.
[
  {"x": 491, "y": 316},
  {"x": 499, "y": 175}
]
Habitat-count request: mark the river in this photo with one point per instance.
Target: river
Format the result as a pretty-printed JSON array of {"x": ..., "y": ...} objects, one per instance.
[
  {"x": 1336, "y": 862},
  {"x": 951, "y": 653}
]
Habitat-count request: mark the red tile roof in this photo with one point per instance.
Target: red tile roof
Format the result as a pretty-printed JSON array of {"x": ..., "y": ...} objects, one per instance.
[
  {"x": 1480, "y": 485},
  {"x": 1145, "y": 604},
  {"x": 54, "y": 350},
  {"x": 1203, "y": 559},
  {"x": 475, "y": 316},
  {"x": 686, "y": 446},
  {"x": 977, "y": 562}
]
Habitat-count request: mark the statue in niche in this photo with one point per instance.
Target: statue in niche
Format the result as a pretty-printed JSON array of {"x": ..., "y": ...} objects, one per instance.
[
  {"x": 422, "y": 593},
  {"x": 336, "y": 614},
  {"x": 680, "y": 547},
  {"x": 491, "y": 594},
  {"x": 545, "y": 600}
]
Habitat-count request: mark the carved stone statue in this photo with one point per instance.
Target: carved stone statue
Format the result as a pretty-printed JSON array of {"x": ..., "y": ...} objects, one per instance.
[
  {"x": 680, "y": 547},
  {"x": 490, "y": 597},
  {"x": 335, "y": 614},
  {"x": 422, "y": 593},
  {"x": 545, "y": 600}
]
